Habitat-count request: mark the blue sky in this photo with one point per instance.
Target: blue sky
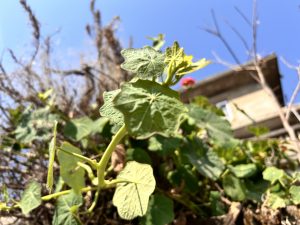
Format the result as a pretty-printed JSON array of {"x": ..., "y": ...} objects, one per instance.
[{"x": 179, "y": 20}]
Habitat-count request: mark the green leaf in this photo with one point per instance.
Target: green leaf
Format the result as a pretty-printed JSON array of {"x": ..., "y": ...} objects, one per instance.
[
  {"x": 146, "y": 63},
  {"x": 71, "y": 173},
  {"x": 158, "y": 42},
  {"x": 204, "y": 103},
  {"x": 217, "y": 207},
  {"x": 31, "y": 197},
  {"x": 165, "y": 145},
  {"x": 234, "y": 187},
  {"x": 295, "y": 194},
  {"x": 205, "y": 160},
  {"x": 109, "y": 111},
  {"x": 79, "y": 128},
  {"x": 35, "y": 125},
  {"x": 66, "y": 210},
  {"x": 258, "y": 130},
  {"x": 296, "y": 176},
  {"x": 183, "y": 176},
  {"x": 98, "y": 125},
  {"x": 138, "y": 155},
  {"x": 274, "y": 201},
  {"x": 131, "y": 198},
  {"x": 179, "y": 63},
  {"x": 149, "y": 108},
  {"x": 216, "y": 127},
  {"x": 189, "y": 66},
  {"x": 255, "y": 189},
  {"x": 273, "y": 174},
  {"x": 160, "y": 211},
  {"x": 52, "y": 149},
  {"x": 46, "y": 94},
  {"x": 243, "y": 170}
]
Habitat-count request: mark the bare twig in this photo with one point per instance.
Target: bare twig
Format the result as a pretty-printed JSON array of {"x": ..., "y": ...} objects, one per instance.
[
  {"x": 36, "y": 28},
  {"x": 296, "y": 90}
]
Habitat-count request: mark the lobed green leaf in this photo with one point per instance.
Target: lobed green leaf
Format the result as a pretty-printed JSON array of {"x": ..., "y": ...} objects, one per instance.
[
  {"x": 149, "y": 108},
  {"x": 109, "y": 111},
  {"x": 218, "y": 128},
  {"x": 66, "y": 210},
  {"x": 31, "y": 197},
  {"x": 146, "y": 63},
  {"x": 205, "y": 160}
]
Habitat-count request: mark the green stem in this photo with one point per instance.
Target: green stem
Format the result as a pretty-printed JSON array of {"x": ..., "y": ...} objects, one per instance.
[
  {"x": 107, "y": 154},
  {"x": 168, "y": 81},
  {"x": 87, "y": 169},
  {"x": 170, "y": 74},
  {"x": 112, "y": 183},
  {"x": 55, "y": 195},
  {"x": 94, "y": 201}
]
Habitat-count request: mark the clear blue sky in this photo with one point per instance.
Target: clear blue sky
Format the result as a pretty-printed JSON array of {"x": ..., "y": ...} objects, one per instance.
[{"x": 179, "y": 20}]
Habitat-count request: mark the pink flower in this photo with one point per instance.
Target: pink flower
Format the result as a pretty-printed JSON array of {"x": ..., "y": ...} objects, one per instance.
[{"x": 187, "y": 82}]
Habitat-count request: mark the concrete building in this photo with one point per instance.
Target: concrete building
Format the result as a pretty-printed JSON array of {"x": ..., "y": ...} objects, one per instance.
[{"x": 243, "y": 100}]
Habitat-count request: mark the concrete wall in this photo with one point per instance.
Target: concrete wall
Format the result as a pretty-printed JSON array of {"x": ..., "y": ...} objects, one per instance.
[{"x": 252, "y": 100}]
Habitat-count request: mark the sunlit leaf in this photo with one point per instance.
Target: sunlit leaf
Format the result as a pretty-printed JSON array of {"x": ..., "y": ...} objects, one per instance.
[
  {"x": 179, "y": 63},
  {"x": 132, "y": 197},
  {"x": 295, "y": 194},
  {"x": 273, "y": 174},
  {"x": 146, "y": 63},
  {"x": 274, "y": 201},
  {"x": 149, "y": 108},
  {"x": 190, "y": 66},
  {"x": 66, "y": 210},
  {"x": 31, "y": 197}
]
